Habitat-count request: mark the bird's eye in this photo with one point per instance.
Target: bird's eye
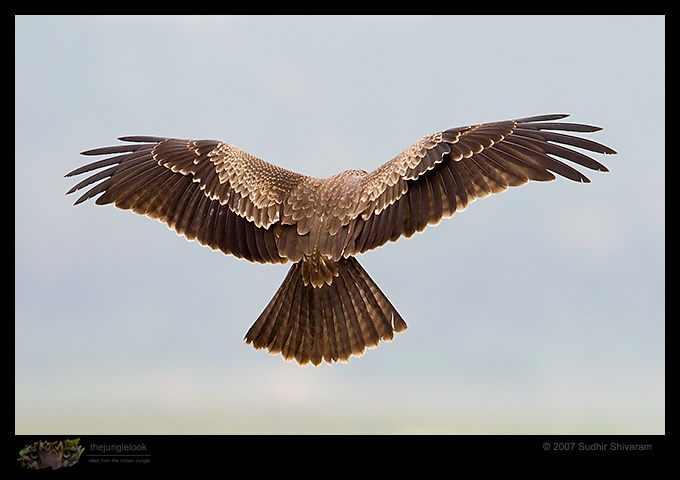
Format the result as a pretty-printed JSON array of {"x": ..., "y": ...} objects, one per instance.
[
  {"x": 67, "y": 453},
  {"x": 33, "y": 455}
]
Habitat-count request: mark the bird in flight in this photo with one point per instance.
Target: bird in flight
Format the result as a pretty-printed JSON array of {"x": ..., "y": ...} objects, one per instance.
[{"x": 327, "y": 308}]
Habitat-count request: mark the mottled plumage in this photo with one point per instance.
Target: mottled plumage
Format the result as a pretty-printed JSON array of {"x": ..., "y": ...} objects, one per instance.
[{"x": 327, "y": 308}]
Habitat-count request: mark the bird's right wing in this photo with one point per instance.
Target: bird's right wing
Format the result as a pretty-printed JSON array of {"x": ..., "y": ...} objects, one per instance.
[{"x": 443, "y": 172}]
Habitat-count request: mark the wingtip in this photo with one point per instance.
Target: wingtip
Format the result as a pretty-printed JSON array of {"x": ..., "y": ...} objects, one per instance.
[
  {"x": 73, "y": 173},
  {"x": 542, "y": 118},
  {"x": 141, "y": 138}
]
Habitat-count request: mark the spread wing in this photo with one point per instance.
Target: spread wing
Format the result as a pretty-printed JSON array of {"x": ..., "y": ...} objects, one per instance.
[
  {"x": 443, "y": 172},
  {"x": 205, "y": 190},
  {"x": 232, "y": 201}
]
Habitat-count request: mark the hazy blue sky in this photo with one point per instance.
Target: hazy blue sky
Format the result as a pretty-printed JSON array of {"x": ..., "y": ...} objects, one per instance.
[{"x": 539, "y": 310}]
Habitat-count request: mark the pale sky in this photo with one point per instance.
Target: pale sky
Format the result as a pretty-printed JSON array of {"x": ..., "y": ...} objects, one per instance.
[{"x": 539, "y": 310}]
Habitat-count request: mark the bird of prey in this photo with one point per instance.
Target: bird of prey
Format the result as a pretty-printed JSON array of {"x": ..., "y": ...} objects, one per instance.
[{"x": 327, "y": 308}]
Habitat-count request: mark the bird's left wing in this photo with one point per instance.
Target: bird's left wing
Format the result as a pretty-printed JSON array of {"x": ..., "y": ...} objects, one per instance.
[{"x": 204, "y": 189}]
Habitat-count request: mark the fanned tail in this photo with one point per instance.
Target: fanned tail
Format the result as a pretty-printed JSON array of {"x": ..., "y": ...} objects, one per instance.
[{"x": 330, "y": 322}]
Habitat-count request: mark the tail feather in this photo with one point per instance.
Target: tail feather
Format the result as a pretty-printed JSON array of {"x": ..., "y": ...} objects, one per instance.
[{"x": 327, "y": 322}]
